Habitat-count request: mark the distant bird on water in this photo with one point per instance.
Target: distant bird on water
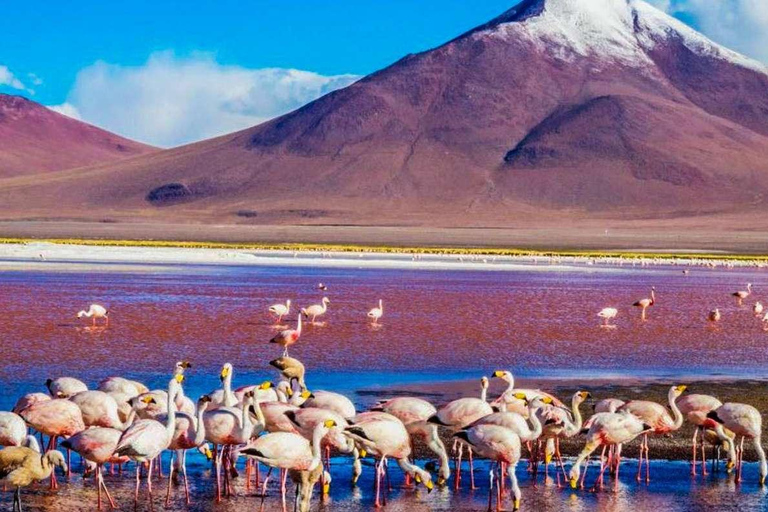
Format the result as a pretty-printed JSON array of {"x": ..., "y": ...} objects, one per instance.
[
  {"x": 714, "y": 315},
  {"x": 757, "y": 309},
  {"x": 644, "y": 304},
  {"x": 322, "y": 287},
  {"x": 288, "y": 337},
  {"x": 376, "y": 313},
  {"x": 280, "y": 310},
  {"x": 743, "y": 294},
  {"x": 94, "y": 312},
  {"x": 608, "y": 314}
]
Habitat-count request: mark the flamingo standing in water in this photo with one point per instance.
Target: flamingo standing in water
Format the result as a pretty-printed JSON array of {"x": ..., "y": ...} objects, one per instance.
[
  {"x": 97, "y": 445},
  {"x": 20, "y": 466},
  {"x": 459, "y": 414},
  {"x": 316, "y": 310},
  {"x": 644, "y": 304},
  {"x": 55, "y": 418},
  {"x": 608, "y": 314},
  {"x": 288, "y": 337},
  {"x": 95, "y": 311},
  {"x": 714, "y": 316},
  {"x": 695, "y": 408},
  {"x": 376, "y": 313},
  {"x": 743, "y": 294},
  {"x": 757, "y": 309},
  {"x": 502, "y": 446},
  {"x": 607, "y": 429},
  {"x": 657, "y": 416},
  {"x": 65, "y": 387},
  {"x": 146, "y": 439},
  {"x": 746, "y": 423},
  {"x": 280, "y": 310}
]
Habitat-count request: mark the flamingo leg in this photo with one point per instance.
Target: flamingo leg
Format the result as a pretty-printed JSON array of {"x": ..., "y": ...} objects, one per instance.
[
  {"x": 490, "y": 488},
  {"x": 184, "y": 474},
  {"x": 695, "y": 449},
  {"x": 703, "y": 455},
  {"x": 52, "y": 446},
  {"x": 471, "y": 470},
  {"x": 138, "y": 483},
  {"x": 104, "y": 486},
  {"x": 377, "y": 503}
]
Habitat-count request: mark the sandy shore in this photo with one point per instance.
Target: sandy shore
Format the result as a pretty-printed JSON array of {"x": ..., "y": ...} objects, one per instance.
[{"x": 676, "y": 446}]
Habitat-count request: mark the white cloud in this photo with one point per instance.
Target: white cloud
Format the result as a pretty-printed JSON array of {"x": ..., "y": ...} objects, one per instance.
[
  {"x": 66, "y": 109},
  {"x": 9, "y": 79},
  {"x": 170, "y": 100},
  {"x": 740, "y": 25}
]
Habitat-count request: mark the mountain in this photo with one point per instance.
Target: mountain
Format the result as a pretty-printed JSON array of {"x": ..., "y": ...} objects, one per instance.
[
  {"x": 36, "y": 139},
  {"x": 557, "y": 109}
]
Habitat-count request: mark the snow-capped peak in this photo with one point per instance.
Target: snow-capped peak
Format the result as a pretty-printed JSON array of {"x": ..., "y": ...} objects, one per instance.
[{"x": 612, "y": 30}]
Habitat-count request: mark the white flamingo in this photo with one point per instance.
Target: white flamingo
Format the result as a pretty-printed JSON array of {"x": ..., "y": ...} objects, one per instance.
[
  {"x": 758, "y": 308},
  {"x": 644, "y": 304},
  {"x": 316, "y": 310},
  {"x": 746, "y": 423},
  {"x": 376, "y": 313},
  {"x": 714, "y": 316},
  {"x": 280, "y": 310},
  {"x": 95, "y": 311},
  {"x": 608, "y": 314}
]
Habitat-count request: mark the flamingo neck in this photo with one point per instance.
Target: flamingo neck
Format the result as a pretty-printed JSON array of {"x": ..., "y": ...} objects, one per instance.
[
  {"x": 575, "y": 426},
  {"x": 298, "y": 326},
  {"x": 317, "y": 440},
  {"x": 200, "y": 427},
  {"x": 413, "y": 469},
  {"x": 229, "y": 397},
  {"x": 170, "y": 421},
  {"x": 535, "y": 422},
  {"x": 381, "y": 306},
  {"x": 675, "y": 410},
  {"x": 129, "y": 420},
  {"x": 484, "y": 394}
]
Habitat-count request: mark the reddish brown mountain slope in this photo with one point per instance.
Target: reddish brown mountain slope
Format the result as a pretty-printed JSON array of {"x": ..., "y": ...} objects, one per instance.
[
  {"x": 556, "y": 109},
  {"x": 35, "y": 139}
]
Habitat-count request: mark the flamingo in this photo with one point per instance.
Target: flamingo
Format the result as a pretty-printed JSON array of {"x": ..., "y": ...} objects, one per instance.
[
  {"x": 322, "y": 287},
  {"x": 757, "y": 309},
  {"x": 644, "y": 304},
  {"x": 376, "y": 313},
  {"x": 508, "y": 401},
  {"x": 657, "y": 416},
  {"x": 20, "y": 466},
  {"x": 316, "y": 309},
  {"x": 743, "y": 294},
  {"x": 746, "y": 423},
  {"x": 224, "y": 397},
  {"x": 387, "y": 438},
  {"x": 280, "y": 310},
  {"x": 459, "y": 414},
  {"x": 415, "y": 413},
  {"x": 227, "y": 426},
  {"x": 608, "y": 429},
  {"x": 13, "y": 430},
  {"x": 146, "y": 439},
  {"x": 335, "y": 402},
  {"x": 714, "y": 316},
  {"x": 290, "y": 368},
  {"x": 189, "y": 433},
  {"x": 97, "y": 445},
  {"x": 29, "y": 399},
  {"x": 290, "y": 451},
  {"x": 559, "y": 424},
  {"x": 55, "y": 418},
  {"x": 607, "y": 405},
  {"x": 288, "y": 337},
  {"x": 608, "y": 314},
  {"x": 500, "y": 445},
  {"x": 65, "y": 387},
  {"x": 100, "y": 409},
  {"x": 95, "y": 311},
  {"x": 695, "y": 408},
  {"x": 123, "y": 386}
]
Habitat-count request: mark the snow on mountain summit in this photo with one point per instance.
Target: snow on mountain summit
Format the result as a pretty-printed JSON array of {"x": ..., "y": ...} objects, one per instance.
[{"x": 622, "y": 31}]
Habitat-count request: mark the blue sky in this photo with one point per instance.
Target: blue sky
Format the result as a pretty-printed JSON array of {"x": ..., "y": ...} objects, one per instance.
[{"x": 110, "y": 63}]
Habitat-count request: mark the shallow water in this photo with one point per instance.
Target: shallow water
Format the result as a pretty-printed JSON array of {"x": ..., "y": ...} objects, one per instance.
[{"x": 438, "y": 325}]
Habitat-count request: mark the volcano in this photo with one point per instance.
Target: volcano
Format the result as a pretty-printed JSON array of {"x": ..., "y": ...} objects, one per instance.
[
  {"x": 35, "y": 139},
  {"x": 556, "y": 109}
]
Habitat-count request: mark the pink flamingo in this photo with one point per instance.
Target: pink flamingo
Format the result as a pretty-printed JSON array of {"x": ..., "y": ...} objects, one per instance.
[
  {"x": 657, "y": 416},
  {"x": 695, "y": 409},
  {"x": 54, "y": 418},
  {"x": 644, "y": 304},
  {"x": 746, "y": 423},
  {"x": 288, "y": 337},
  {"x": 97, "y": 445}
]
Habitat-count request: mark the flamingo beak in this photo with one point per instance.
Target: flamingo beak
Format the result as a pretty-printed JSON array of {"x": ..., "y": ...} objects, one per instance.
[
  {"x": 574, "y": 482},
  {"x": 326, "y": 488},
  {"x": 208, "y": 454}
]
